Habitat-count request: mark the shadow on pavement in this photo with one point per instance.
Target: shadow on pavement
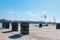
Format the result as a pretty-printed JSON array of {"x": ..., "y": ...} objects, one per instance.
[
  {"x": 8, "y": 31},
  {"x": 15, "y": 36},
  {"x": 2, "y": 28}
]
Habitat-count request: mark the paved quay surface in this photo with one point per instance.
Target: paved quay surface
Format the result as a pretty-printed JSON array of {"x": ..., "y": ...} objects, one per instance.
[{"x": 35, "y": 33}]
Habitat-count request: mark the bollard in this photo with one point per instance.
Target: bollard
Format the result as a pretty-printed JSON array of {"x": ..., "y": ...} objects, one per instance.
[
  {"x": 58, "y": 26},
  {"x": 24, "y": 28},
  {"x": 40, "y": 25},
  {"x": 14, "y": 26}
]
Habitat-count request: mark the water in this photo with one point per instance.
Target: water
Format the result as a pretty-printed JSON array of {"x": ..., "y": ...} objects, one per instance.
[
  {"x": 34, "y": 25},
  {"x": 0, "y": 24},
  {"x": 29, "y": 25}
]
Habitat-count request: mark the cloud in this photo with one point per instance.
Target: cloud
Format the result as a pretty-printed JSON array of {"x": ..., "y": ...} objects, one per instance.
[
  {"x": 34, "y": 16},
  {"x": 11, "y": 12},
  {"x": 38, "y": 15},
  {"x": 31, "y": 14}
]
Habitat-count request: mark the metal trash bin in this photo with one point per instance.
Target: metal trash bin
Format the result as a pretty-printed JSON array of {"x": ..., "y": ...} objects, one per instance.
[
  {"x": 58, "y": 26},
  {"x": 24, "y": 28},
  {"x": 5, "y": 24},
  {"x": 40, "y": 25},
  {"x": 14, "y": 26}
]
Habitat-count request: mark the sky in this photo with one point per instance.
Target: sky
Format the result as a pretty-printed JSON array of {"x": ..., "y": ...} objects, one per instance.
[{"x": 30, "y": 10}]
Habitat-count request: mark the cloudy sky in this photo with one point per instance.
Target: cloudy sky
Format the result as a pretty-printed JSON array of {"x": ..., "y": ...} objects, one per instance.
[{"x": 30, "y": 10}]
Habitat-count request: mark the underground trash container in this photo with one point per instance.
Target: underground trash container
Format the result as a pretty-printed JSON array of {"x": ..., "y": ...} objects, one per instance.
[
  {"x": 40, "y": 25},
  {"x": 5, "y": 24},
  {"x": 58, "y": 26},
  {"x": 24, "y": 28},
  {"x": 14, "y": 26},
  {"x": 46, "y": 24}
]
